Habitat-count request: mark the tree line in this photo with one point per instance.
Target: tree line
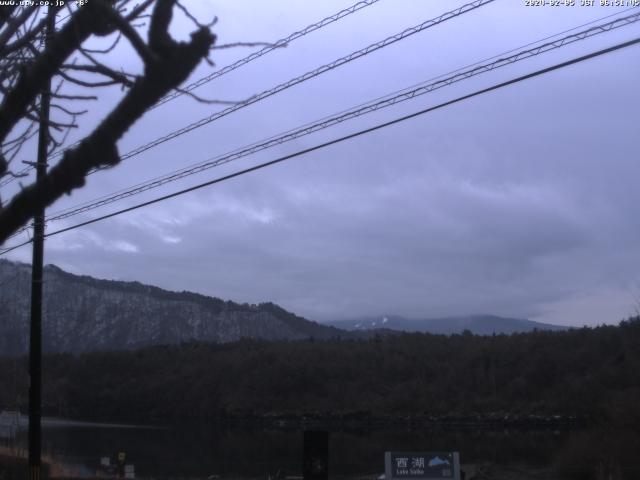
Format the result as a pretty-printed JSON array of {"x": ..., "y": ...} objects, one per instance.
[{"x": 587, "y": 372}]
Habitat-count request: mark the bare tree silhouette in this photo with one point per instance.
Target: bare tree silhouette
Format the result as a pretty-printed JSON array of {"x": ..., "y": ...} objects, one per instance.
[{"x": 28, "y": 64}]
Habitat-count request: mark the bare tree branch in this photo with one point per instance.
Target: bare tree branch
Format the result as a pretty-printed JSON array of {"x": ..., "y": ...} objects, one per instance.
[
  {"x": 247, "y": 44},
  {"x": 5, "y": 14},
  {"x": 106, "y": 50},
  {"x": 138, "y": 10},
  {"x": 194, "y": 19},
  {"x": 25, "y": 39},
  {"x": 71, "y": 113},
  {"x": 200, "y": 99},
  {"x": 34, "y": 77},
  {"x": 88, "y": 84},
  {"x": 13, "y": 24},
  {"x": 128, "y": 31},
  {"x": 74, "y": 97},
  {"x": 170, "y": 64},
  {"x": 116, "y": 77}
]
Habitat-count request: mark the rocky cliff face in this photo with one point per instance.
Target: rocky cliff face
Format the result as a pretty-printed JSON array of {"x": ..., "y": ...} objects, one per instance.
[{"x": 83, "y": 313}]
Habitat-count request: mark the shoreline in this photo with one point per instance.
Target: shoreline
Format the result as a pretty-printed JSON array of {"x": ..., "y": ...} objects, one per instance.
[
  {"x": 493, "y": 421},
  {"x": 60, "y": 422}
]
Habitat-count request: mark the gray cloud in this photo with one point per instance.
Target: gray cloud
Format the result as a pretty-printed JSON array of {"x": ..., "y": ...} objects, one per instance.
[{"x": 520, "y": 202}]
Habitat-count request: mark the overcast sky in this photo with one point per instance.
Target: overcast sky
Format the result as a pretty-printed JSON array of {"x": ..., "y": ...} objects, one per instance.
[{"x": 520, "y": 202}]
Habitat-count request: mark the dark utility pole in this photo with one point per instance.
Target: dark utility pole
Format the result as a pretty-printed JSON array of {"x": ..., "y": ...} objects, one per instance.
[
  {"x": 315, "y": 463},
  {"x": 35, "y": 340}
]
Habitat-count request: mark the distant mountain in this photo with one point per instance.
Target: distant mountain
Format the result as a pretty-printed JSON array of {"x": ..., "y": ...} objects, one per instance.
[
  {"x": 476, "y": 324},
  {"x": 82, "y": 314}
]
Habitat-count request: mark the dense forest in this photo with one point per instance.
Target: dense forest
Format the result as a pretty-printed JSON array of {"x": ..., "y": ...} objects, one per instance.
[{"x": 589, "y": 373}]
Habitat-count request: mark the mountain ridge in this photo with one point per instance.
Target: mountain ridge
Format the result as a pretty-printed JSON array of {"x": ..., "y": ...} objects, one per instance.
[
  {"x": 82, "y": 313},
  {"x": 478, "y": 324}
]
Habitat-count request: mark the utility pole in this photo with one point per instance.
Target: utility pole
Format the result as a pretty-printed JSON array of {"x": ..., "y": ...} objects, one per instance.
[{"x": 35, "y": 334}]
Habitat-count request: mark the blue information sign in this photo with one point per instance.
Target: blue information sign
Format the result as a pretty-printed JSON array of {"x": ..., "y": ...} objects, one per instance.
[{"x": 422, "y": 465}]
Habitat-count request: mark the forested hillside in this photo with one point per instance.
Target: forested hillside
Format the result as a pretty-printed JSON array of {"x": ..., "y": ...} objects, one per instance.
[
  {"x": 84, "y": 314},
  {"x": 583, "y": 372}
]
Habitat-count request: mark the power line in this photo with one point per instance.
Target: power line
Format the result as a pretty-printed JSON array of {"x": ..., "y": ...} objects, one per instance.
[
  {"x": 362, "y": 109},
  {"x": 206, "y": 162},
  {"x": 297, "y": 80},
  {"x": 309, "y": 75},
  {"x": 359, "y": 133},
  {"x": 306, "y": 76},
  {"x": 278, "y": 44},
  {"x": 11, "y": 178},
  {"x": 342, "y": 117},
  {"x": 7, "y": 250},
  {"x": 243, "y": 61}
]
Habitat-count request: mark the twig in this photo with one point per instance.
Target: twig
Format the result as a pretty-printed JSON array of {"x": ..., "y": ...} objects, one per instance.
[{"x": 248, "y": 44}]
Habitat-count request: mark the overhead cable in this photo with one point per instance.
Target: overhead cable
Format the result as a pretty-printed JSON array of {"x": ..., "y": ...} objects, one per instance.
[
  {"x": 10, "y": 179},
  {"x": 344, "y": 116},
  {"x": 304, "y": 77},
  {"x": 343, "y": 138},
  {"x": 283, "y": 42}
]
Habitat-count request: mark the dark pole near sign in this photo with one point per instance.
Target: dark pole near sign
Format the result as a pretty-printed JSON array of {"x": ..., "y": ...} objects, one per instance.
[
  {"x": 315, "y": 463},
  {"x": 35, "y": 334}
]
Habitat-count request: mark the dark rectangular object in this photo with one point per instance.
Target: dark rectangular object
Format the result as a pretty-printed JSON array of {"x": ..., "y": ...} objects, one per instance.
[{"x": 315, "y": 465}]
